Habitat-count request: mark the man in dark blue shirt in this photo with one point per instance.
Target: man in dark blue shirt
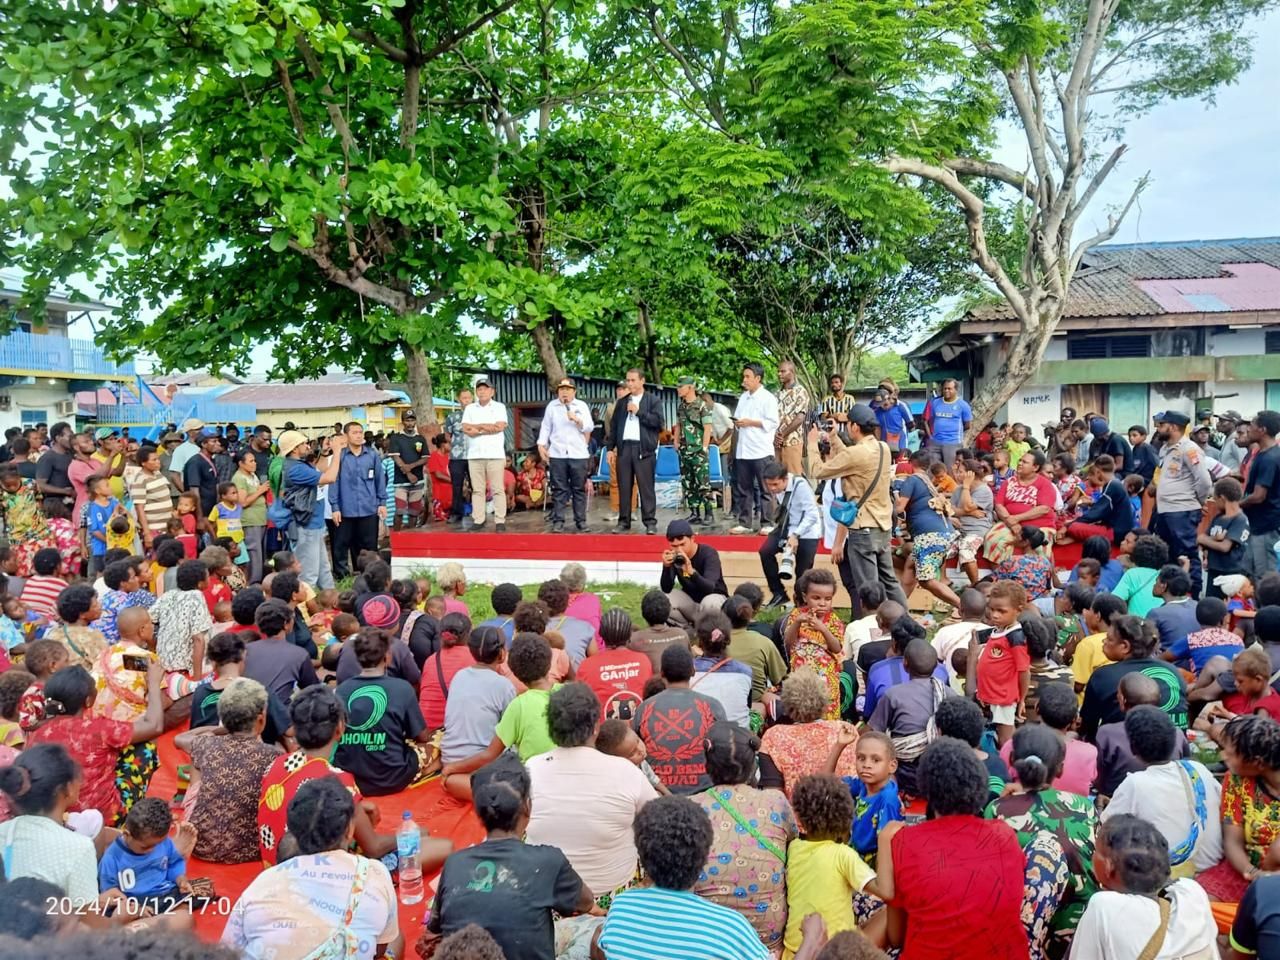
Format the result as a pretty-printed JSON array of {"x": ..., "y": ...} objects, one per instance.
[
  {"x": 358, "y": 499},
  {"x": 301, "y": 482}
]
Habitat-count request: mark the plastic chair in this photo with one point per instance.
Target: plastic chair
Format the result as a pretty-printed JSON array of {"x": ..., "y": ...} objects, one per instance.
[
  {"x": 602, "y": 469},
  {"x": 668, "y": 466}
]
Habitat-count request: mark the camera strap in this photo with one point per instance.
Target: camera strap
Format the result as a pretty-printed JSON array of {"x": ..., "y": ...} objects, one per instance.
[{"x": 782, "y": 516}]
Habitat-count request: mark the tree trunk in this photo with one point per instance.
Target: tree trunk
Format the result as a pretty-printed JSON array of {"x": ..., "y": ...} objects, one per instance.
[
  {"x": 547, "y": 353},
  {"x": 1019, "y": 367},
  {"x": 652, "y": 368},
  {"x": 418, "y": 378}
]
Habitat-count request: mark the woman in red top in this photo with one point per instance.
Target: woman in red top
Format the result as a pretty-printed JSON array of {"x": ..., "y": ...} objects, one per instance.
[
  {"x": 439, "y": 668},
  {"x": 318, "y": 722},
  {"x": 1026, "y": 499},
  {"x": 617, "y": 676},
  {"x": 96, "y": 743},
  {"x": 438, "y": 470},
  {"x": 954, "y": 883}
]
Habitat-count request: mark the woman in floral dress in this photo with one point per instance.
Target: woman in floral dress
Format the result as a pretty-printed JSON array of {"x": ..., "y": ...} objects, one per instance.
[
  {"x": 26, "y": 527},
  {"x": 813, "y": 634}
]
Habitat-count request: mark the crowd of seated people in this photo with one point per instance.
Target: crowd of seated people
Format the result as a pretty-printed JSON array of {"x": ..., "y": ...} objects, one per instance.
[{"x": 1075, "y": 763}]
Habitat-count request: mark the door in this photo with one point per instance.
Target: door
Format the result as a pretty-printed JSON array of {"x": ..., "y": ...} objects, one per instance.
[
  {"x": 1085, "y": 398},
  {"x": 1127, "y": 406},
  {"x": 1273, "y": 395}
]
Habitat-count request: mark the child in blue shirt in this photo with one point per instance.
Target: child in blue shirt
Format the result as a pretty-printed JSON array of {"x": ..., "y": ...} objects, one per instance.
[
  {"x": 874, "y": 791},
  {"x": 102, "y": 506},
  {"x": 143, "y": 864}
]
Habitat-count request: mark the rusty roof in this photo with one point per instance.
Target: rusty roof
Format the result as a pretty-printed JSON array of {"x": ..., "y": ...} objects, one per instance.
[
  {"x": 1150, "y": 279},
  {"x": 307, "y": 396}
]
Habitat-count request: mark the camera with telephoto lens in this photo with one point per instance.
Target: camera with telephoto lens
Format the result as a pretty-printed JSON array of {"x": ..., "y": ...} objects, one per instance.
[
  {"x": 786, "y": 563},
  {"x": 819, "y": 419}
]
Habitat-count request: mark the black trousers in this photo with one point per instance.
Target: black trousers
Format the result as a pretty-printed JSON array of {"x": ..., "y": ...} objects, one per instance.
[
  {"x": 457, "y": 476},
  {"x": 636, "y": 470},
  {"x": 806, "y": 550},
  {"x": 350, "y": 537},
  {"x": 748, "y": 489},
  {"x": 569, "y": 481}
]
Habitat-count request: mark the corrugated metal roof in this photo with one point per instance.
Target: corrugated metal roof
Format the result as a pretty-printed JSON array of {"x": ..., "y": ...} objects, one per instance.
[
  {"x": 307, "y": 396},
  {"x": 1132, "y": 279}
]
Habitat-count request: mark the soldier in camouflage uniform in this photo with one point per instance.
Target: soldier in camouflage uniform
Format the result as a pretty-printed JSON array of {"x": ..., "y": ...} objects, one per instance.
[{"x": 693, "y": 437}]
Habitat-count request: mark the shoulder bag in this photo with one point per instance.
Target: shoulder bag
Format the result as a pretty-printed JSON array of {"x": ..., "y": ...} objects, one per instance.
[{"x": 844, "y": 511}]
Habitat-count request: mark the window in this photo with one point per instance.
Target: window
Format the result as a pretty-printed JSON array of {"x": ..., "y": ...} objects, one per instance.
[
  {"x": 1119, "y": 345},
  {"x": 31, "y": 417},
  {"x": 1272, "y": 342}
]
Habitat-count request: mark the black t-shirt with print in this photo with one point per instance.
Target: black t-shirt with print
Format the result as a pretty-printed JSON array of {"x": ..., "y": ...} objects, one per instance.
[
  {"x": 1101, "y": 705},
  {"x": 382, "y": 716},
  {"x": 673, "y": 725},
  {"x": 509, "y": 888},
  {"x": 204, "y": 712},
  {"x": 410, "y": 449},
  {"x": 1235, "y": 529}
]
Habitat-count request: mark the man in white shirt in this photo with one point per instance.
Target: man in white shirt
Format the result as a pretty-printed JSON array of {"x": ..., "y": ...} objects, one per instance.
[
  {"x": 562, "y": 444},
  {"x": 485, "y": 424},
  {"x": 756, "y": 418},
  {"x": 722, "y": 437},
  {"x": 799, "y": 528}
]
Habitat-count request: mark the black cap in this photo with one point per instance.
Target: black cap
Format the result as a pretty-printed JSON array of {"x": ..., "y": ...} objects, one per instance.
[
  {"x": 1175, "y": 417},
  {"x": 862, "y": 415},
  {"x": 679, "y": 528}
]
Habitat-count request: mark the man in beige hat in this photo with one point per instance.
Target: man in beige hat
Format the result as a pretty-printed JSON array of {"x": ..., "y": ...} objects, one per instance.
[
  {"x": 563, "y": 445},
  {"x": 307, "y": 532},
  {"x": 189, "y": 448}
]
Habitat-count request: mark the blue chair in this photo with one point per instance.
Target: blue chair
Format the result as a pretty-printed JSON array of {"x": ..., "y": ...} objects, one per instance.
[
  {"x": 717, "y": 478},
  {"x": 668, "y": 466},
  {"x": 602, "y": 469}
]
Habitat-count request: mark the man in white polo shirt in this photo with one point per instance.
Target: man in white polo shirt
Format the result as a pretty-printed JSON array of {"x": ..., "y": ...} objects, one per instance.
[
  {"x": 562, "y": 444},
  {"x": 756, "y": 418},
  {"x": 485, "y": 424}
]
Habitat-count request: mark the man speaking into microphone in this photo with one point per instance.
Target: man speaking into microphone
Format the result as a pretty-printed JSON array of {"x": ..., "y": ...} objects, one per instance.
[{"x": 562, "y": 444}]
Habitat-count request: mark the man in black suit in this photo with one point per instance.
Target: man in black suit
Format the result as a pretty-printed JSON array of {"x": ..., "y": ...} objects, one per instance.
[{"x": 637, "y": 418}]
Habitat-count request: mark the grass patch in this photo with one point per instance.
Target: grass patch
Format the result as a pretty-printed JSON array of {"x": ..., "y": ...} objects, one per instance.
[{"x": 625, "y": 594}]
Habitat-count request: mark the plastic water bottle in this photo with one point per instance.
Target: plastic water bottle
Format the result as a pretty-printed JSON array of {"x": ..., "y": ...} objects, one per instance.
[{"x": 408, "y": 844}]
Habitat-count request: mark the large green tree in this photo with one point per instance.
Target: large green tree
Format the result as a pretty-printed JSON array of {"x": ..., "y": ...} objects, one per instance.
[{"x": 347, "y": 179}]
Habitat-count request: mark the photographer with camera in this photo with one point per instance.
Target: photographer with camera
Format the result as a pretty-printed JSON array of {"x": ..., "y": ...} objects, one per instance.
[
  {"x": 790, "y": 548},
  {"x": 691, "y": 575},
  {"x": 865, "y": 506}
]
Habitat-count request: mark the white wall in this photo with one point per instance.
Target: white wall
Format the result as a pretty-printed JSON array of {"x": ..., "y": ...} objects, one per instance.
[
  {"x": 1238, "y": 343},
  {"x": 1057, "y": 349},
  {"x": 1250, "y": 396},
  {"x": 34, "y": 398},
  {"x": 1174, "y": 396}
]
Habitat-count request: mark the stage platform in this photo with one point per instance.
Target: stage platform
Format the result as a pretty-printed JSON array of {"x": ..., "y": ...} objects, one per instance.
[{"x": 529, "y": 553}]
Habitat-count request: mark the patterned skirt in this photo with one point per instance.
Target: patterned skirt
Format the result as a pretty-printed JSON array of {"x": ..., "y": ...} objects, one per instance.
[{"x": 134, "y": 769}]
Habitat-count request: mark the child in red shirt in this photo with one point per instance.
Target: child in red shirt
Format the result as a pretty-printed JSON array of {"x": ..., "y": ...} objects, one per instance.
[
  {"x": 617, "y": 675},
  {"x": 1002, "y": 664},
  {"x": 1252, "y": 671}
]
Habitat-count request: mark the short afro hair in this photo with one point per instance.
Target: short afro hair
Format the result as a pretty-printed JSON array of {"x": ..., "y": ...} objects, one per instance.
[
  {"x": 677, "y": 663},
  {"x": 148, "y": 818},
  {"x": 504, "y": 598},
  {"x": 46, "y": 562},
  {"x": 655, "y": 607},
  {"x": 529, "y": 657},
  {"x": 555, "y": 595},
  {"x": 804, "y": 695},
  {"x": 472, "y": 942},
  {"x": 952, "y": 778},
  {"x": 191, "y": 574},
  {"x": 673, "y": 837},
  {"x": 961, "y": 718},
  {"x": 245, "y": 603},
  {"x": 823, "y": 806},
  {"x": 573, "y": 713},
  {"x": 1152, "y": 735},
  {"x": 1058, "y": 705},
  {"x": 75, "y": 601},
  {"x": 319, "y": 814},
  {"x": 1150, "y": 552},
  {"x": 530, "y": 616}
]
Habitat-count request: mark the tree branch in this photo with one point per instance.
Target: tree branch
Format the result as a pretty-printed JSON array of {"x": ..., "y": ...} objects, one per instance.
[
  {"x": 1113, "y": 224},
  {"x": 291, "y": 99},
  {"x": 994, "y": 171},
  {"x": 371, "y": 39},
  {"x": 710, "y": 102},
  {"x": 1103, "y": 172},
  {"x": 330, "y": 98},
  {"x": 972, "y": 206},
  {"x": 453, "y": 39}
]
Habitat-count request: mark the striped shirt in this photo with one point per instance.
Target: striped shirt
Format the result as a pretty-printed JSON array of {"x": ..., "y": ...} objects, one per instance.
[
  {"x": 41, "y": 594},
  {"x": 651, "y": 923},
  {"x": 151, "y": 492}
]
